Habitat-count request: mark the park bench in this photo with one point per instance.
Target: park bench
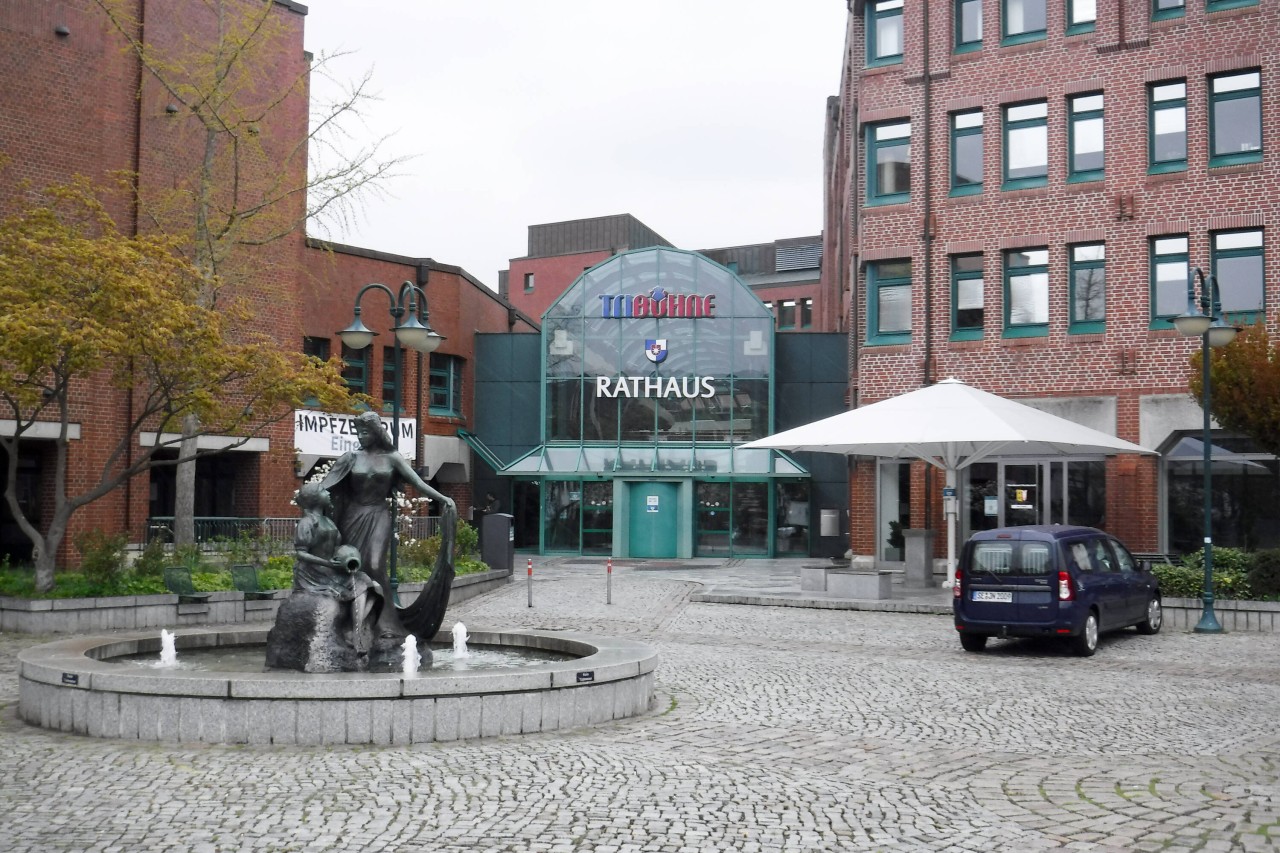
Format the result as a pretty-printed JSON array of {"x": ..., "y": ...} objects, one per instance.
[
  {"x": 244, "y": 577},
  {"x": 177, "y": 579}
]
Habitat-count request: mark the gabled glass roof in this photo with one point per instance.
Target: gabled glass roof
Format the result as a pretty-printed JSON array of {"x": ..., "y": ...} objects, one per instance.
[{"x": 575, "y": 459}]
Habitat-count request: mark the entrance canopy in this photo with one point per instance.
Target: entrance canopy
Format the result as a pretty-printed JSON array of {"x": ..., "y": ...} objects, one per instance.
[
  {"x": 950, "y": 425},
  {"x": 708, "y": 461}
]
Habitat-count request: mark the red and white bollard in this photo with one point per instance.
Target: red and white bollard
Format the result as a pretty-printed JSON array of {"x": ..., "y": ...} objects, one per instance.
[
  {"x": 531, "y": 581},
  {"x": 608, "y": 584}
]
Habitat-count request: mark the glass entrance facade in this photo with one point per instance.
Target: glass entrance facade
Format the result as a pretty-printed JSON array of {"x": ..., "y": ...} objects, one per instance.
[{"x": 657, "y": 366}]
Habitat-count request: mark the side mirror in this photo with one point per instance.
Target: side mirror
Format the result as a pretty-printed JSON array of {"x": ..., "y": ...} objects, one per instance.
[{"x": 1144, "y": 566}]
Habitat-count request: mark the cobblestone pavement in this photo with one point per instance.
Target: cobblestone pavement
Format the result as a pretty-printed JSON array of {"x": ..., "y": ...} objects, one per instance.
[{"x": 775, "y": 729}]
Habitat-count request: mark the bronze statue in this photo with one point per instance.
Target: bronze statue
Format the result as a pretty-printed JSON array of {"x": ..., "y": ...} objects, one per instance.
[
  {"x": 362, "y": 482},
  {"x": 340, "y": 616}
]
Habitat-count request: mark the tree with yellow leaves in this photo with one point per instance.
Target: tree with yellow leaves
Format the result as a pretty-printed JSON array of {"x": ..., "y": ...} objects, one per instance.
[{"x": 87, "y": 307}]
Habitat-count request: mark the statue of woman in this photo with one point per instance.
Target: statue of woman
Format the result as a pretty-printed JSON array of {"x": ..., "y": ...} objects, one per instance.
[{"x": 361, "y": 482}]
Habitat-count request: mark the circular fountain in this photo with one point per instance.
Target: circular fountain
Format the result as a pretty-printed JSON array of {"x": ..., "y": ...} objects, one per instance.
[{"x": 85, "y": 685}]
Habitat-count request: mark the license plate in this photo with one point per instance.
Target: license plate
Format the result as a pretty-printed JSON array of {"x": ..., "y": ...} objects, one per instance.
[{"x": 990, "y": 595}]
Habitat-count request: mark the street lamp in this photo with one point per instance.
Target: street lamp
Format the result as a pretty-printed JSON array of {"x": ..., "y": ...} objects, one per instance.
[
  {"x": 416, "y": 334},
  {"x": 1205, "y": 321}
]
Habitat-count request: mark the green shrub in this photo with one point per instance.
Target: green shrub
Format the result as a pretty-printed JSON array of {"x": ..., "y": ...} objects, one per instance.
[
  {"x": 1264, "y": 576},
  {"x": 1231, "y": 568},
  {"x": 152, "y": 560},
  {"x": 102, "y": 559},
  {"x": 276, "y": 573},
  {"x": 466, "y": 541},
  {"x": 418, "y": 554}
]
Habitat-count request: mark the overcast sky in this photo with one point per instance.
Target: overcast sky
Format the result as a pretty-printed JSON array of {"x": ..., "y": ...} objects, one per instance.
[{"x": 703, "y": 118}]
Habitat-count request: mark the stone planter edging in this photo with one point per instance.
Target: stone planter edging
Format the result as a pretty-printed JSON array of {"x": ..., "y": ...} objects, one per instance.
[{"x": 139, "y": 612}]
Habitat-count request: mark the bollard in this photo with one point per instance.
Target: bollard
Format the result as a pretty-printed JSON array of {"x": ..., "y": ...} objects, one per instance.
[
  {"x": 608, "y": 584},
  {"x": 531, "y": 581}
]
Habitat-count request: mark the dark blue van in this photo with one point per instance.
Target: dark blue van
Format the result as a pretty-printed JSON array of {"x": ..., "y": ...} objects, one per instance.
[{"x": 1051, "y": 581}]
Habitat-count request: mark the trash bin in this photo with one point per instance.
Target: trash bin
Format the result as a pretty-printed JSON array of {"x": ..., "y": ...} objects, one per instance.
[
  {"x": 497, "y": 542},
  {"x": 829, "y": 522}
]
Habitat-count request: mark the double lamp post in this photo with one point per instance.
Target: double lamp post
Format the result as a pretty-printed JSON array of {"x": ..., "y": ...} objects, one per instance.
[
  {"x": 1204, "y": 319},
  {"x": 413, "y": 330}
]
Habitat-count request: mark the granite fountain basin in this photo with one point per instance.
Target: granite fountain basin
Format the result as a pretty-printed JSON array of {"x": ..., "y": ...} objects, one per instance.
[{"x": 78, "y": 685}]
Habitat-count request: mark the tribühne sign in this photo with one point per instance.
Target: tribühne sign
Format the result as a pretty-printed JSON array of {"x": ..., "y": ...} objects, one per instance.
[
  {"x": 657, "y": 303},
  {"x": 327, "y": 434}
]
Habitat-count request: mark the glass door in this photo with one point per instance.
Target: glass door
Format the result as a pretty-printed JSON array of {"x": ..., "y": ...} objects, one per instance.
[{"x": 1023, "y": 492}]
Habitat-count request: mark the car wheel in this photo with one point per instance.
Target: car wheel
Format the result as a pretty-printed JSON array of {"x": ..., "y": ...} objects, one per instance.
[
  {"x": 1155, "y": 617},
  {"x": 973, "y": 642},
  {"x": 1086, "y": 643}
]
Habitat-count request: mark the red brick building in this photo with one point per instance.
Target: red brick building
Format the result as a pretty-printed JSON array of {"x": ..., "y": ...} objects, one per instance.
[
  {"x": 784, "y": 274},
  {"x": 1017, "y": 193},
  {"x": 77, "y": 102}
]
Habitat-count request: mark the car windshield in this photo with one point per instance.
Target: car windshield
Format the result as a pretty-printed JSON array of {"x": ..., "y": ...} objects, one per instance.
[{"x": 1012, "y": 558}]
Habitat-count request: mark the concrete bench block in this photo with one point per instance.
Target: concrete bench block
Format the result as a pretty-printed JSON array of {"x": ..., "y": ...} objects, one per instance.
[
  {"x": 861, "y": 585},
  {"x": 813, "y": 578}
]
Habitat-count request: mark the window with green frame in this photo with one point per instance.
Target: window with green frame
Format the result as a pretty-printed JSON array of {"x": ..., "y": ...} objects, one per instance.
[
  {"x": 1167, "y": 127},
  {"x": 1235, "y": 118},
  {"x": 889, "y": 302},
  {"x": 389, "y": 398},
  {"x": 1170, "y": 267},
  {"x": 317, "y": 348},
  {"x": 1026, "y": 293},
  {"x": 1082, "y": 16},
  {"x": 1088, "y": 272},
  {"x": 968, "y": 18},
  {"x": 355, "y": 363},
  {"x": 1162, "y": 9},
  {"x": 806, "y": 313},
  {"x": 889, "y": 163},
  {"x": 1237, "y": 264},
  {"x": 787, "y": 314},
  {"x": 1026, "y": 145},
  {"x": 1022, "y": 20},
  {"x": 1085, "y": 138},
  {"x": 446, "y": 385},
  {"x": 1218, "y": 5},
  {"x": 967, "y": 286},
  {"x": 966, "y": 153},
  {"x": 884, "y": 32}
]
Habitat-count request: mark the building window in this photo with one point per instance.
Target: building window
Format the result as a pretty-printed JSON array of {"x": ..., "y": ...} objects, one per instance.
[
  {"x": 968, "y": 25},
  {"x": 316, "y": 348},
  {"x": 889, "y": 163},
  {"x": 967, "y": 287},
  {"x": 355, "y": 369},
  {"x": 787, "y": 314},
  {"x": 528, "y": 282},
  {"x": 889, "y": 302},
  {"x": 1167, "y": 149},
  {"x": 1026, "y": 293},
  {"x": 1081, "y": 16},
  {"x": 446, "y": 385},
  {"x": 1217, "y": 5},
  {"x": 389, "y": 397},
  {"x": 1088, "y": 270},
  {"x": 966, "y": 153},
  {"x": 1085, "y": 138},
  {"x": 1237, "y": 264},
  {"x": 806, "y": 313},
  {"x": 1235, "y": 119},
  {"x": 884, "y": 32},
  {"x": 1026, "y": 145},
  {"x": 1023, "y": 20},
  {"x": 1170, "y": 266},
  {"x": 1162, "y": 9}
]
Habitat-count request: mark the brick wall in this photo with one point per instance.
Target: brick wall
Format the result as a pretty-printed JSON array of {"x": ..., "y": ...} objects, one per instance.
[{"x": 1126, "y": 52}]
